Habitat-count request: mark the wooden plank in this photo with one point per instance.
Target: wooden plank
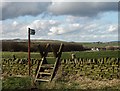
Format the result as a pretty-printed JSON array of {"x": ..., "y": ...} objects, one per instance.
[
  {"x": 38, "y": 70},
  {"x": 57, "y": 60},
  {"x": 42, "y": 80},
  {"x": 54, "y": 69},
  {"x": 46, "y": 50},
  {"x": 37, "y": 67},
  {"x": 44, "y": 73},
  {"x": 51, "y": 66},
  {"x": 46, "y": 66},
  {"x": 42, "y": 52}
]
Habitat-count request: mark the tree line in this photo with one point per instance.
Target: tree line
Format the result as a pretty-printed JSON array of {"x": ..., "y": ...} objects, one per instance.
[{"x": 23, "y": 46}]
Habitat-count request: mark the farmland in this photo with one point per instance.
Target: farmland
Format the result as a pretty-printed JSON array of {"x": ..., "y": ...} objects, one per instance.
[
  {"x": 82, "y": 54},
  {"x": 88, "y": 70}
]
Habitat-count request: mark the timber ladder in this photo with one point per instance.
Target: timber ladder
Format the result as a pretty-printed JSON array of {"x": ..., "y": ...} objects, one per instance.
[{"x": 46, "y": 71}]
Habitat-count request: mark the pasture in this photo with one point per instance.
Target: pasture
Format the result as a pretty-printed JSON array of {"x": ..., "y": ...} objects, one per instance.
[
  {"x": 91, "y": 70},
  {"x": 65, "y": 55}
]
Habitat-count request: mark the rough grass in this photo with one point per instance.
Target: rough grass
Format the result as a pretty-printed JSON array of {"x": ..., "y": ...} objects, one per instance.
[
  {"x": 12, "y": 83},
  {"x": 19, "y": 55},
  {"x": 65, "y": 82},
  {"x": 65, "y": 55},
  {"x": 87, "y": 54},
  {"x": 100, "y": 44}
]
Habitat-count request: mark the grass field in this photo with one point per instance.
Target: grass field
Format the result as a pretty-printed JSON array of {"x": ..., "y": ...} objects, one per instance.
[
  {"x": 62, "y": 81},
  {"x": 82, "y": 54},
  {"x": 100, "y": 44},
  {"x": 23, "y": 84}
]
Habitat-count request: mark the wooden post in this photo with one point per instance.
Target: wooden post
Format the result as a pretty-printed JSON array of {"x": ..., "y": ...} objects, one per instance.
[{"x": 29, "y": 49}]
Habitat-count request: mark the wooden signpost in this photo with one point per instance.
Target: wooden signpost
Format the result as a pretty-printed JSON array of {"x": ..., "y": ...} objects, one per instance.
[{"x": 30, "y": 32}]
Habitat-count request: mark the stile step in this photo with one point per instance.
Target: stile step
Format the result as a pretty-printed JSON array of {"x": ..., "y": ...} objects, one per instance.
[
  {"x": 42, "y": 80},
  {"x": 50, "y": 57},
  {"x": 47, "y": 66},
  {"x": 44, "y": 73}
]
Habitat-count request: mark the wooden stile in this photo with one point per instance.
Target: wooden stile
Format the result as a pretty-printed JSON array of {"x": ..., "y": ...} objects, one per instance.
[{"x": 45, "y": 71}]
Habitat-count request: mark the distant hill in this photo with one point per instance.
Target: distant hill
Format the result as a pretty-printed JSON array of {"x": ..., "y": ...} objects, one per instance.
[
  {"x": 7, "y": 44},
  {"x": 22, "y": 45},
  {"x": 115, "y": 41},
  {"x": 32, "y": 40}
]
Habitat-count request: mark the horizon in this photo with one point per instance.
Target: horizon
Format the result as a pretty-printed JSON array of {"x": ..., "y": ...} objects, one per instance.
[{"x": 59, "y": 40}]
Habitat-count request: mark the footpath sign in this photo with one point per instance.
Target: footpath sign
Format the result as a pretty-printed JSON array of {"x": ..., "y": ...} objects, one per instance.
[{"x": 30, "y": 32}]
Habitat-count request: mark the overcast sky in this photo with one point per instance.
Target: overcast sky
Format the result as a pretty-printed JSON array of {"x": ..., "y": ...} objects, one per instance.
[{"x": 68, "y": 21}]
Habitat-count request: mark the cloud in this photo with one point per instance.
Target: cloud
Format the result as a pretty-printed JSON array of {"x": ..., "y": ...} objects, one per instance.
[
  {"x": 63, "y": 29},
  {"x": 43, "y": 25},
  {"x": 54, "y": 27},
  {"x": 15, "y": 24},
  {"x": 61, "y": 0},
  {"x": 56, "y": 30},
  {"x": 16, "y": 9},
  {"x": 91, "y": 27},
  {"x": 83, "y": 9},
  {"x": 112, "y": 28},
  {"x": 14, "y": 30}
]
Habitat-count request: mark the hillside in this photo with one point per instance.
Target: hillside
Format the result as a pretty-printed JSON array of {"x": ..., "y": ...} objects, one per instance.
[{"x": 22, "y": 45}]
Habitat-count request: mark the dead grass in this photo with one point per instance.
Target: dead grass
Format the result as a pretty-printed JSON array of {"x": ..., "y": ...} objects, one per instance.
[
  {"x": 86, "y": 83},
  {"x": 78, "y": 82}
]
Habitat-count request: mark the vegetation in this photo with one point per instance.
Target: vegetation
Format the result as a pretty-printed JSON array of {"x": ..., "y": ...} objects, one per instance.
[
  {"x": 65, "y": 55},
  {"x": 100, "y": 44},
  {"x": 69, "y": 76},
  {"x": 16, "y": 83},
  {"x": 104, "y": 68},
  {"x": 13, "y": 46},
  {"x": 90, "y": 54},
  {"x": 72, "y": 74},
  {"x": 99, "y": 70},
  {"x": 22, "y": 45}
]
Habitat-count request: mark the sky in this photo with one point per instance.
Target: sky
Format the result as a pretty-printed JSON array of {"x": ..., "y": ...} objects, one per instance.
[{"x": 66, "y": 21}]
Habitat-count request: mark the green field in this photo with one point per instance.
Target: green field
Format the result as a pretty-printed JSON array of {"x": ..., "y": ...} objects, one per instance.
[
  {"x": 82, "y": 54},
  {"x": 100, "y": 44},
  {"x": 69, "y": 76}
]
